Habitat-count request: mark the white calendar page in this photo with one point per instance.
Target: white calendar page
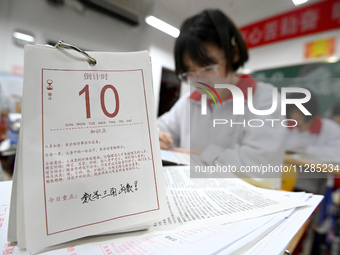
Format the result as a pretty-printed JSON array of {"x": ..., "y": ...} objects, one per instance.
[{"x": 90, "y": 152}]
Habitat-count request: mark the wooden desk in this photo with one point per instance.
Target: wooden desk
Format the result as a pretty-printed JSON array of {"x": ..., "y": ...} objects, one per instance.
[{"x": 274, "y": 242}]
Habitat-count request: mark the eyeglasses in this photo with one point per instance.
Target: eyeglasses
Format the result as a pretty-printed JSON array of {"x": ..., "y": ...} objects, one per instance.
[{"x": 203, "y": 72}]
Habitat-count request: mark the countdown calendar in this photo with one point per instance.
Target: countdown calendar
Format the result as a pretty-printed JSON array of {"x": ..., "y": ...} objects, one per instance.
[{"x": 88, "y": 159}]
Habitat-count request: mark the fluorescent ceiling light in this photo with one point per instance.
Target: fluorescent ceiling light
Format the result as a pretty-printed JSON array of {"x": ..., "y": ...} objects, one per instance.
[
  {"x": 23, "y": 37},
  {"x": 163, "y": 26},
  {"x": 298, "y": 2},
  {"x": 332, "y": 59}
]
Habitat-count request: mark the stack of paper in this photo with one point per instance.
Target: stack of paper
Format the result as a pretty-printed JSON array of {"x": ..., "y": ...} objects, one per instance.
[{"x": 205, "y": 216}]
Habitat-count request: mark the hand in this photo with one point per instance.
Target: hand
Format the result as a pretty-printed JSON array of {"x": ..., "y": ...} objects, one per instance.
[
  {"x": 165, "y": 140},
  {"x": 182, "y": 150}
]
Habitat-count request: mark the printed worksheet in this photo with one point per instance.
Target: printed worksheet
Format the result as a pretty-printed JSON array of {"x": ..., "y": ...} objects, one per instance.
[{"x": 185, "y": 231}]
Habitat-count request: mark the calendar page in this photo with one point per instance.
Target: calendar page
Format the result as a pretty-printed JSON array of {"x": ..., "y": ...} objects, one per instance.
[{"x": 90, "y": 153}]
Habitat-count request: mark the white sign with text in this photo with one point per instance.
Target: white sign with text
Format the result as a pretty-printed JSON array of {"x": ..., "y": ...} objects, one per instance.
[{"x": 88, "y": 157}]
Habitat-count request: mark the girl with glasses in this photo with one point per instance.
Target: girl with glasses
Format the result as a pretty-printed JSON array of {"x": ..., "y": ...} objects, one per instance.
[{"x": 208, "y": 51}]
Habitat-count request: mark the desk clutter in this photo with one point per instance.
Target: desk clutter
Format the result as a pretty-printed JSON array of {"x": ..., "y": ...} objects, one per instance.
[{"x": 204, "y": 216}]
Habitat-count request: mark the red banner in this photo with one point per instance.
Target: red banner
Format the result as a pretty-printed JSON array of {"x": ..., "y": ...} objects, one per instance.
[{"x": 314, "y": 18}]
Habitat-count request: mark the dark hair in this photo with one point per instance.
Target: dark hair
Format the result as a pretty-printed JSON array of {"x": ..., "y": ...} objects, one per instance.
[
  {"x": 312, "y": 105},
  {"x": 336, "y": 109},
  {"x": 209, "y": 26}
]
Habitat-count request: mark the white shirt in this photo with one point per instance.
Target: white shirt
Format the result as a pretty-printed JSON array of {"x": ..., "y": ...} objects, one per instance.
[
  {"x": 237, "y": 145},
  {"x": 322, "y": 139}
]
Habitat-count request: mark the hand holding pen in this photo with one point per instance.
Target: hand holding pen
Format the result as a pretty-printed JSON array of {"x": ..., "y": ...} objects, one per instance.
[{"x": 165, "y": 141}]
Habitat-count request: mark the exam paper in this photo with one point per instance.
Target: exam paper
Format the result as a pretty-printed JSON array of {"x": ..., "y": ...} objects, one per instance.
[
  {"x": 228, "y": 238},
  {"x": 197, "y": 240},
  {"x": 202, "y": 202},
  {"x": 244, "y": 244},
  {"x": 278, "y": 239},
  {"x": 205, "y": 240},
  {"x": 248, "y": 242},
  {"x": 174, "y": 157}
]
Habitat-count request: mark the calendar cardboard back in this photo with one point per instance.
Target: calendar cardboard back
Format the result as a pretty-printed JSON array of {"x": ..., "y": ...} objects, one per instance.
[{"x": 88, "y": 156}]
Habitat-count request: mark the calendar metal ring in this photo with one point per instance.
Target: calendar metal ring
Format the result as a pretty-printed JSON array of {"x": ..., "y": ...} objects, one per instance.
[{"x": 63, "y": 45}]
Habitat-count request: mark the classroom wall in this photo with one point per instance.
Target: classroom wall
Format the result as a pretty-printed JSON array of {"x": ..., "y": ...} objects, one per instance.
[{"x": 288, "y": 52}]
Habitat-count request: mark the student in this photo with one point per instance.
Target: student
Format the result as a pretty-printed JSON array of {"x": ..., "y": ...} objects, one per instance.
[
  {"x": 210, "y": 49},
  {"x": 312, "y": 134}
]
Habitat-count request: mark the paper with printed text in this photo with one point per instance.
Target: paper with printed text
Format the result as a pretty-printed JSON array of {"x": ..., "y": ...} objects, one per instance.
[{"x": 89, "y": 149}]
